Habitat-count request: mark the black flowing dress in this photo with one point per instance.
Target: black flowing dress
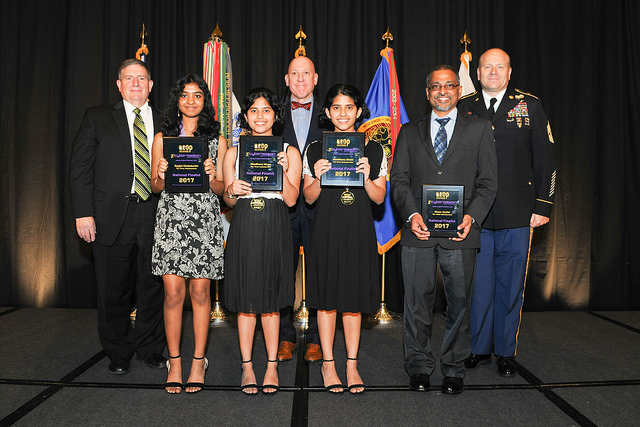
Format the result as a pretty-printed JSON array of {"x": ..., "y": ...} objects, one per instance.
[
  {"x": 343, "y": 264},
  {"x": 258, "y": 256}
]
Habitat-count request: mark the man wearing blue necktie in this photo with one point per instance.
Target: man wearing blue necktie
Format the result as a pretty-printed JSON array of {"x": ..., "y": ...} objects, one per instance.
[{"x": 443, "y": 148}]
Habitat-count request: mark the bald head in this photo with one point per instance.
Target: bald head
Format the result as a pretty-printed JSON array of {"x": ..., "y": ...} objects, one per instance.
[
  {"x": 494, "y": 71},
  {"x": 301, "y": 78}
]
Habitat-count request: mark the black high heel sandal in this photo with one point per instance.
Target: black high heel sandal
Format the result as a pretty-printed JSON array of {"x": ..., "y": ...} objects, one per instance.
[
  {"x": 332, "y": 387},
  {"x": 354, "y": 386},
  {"x": 246, "y": 386},
  {"x": 276, "y": 388},
  {"x": 173, "y": 383},
  {"x": 200, "y": 384}
]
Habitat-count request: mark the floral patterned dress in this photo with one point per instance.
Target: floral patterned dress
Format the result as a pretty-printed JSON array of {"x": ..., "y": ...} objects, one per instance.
[{"x": 188, "y": 239}]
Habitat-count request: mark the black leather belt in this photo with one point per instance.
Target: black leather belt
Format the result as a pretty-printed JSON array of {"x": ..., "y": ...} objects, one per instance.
[{"x": 137, "y": 199}]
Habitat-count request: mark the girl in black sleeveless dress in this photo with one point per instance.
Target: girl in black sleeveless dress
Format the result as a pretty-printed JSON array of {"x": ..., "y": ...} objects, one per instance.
[
  {"x": 343, "y": 263},
  {"x": 258, "y": 255}
]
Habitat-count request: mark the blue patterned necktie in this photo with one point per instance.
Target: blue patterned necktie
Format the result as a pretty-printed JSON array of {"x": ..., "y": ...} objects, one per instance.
[
  {"x": 142, "y": 171},
  {"x": 440, "y": 144}
]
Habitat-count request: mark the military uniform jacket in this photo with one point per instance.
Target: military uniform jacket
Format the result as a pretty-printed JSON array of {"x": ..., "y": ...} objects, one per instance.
[
  {"x": 470, "y": 161},
  {"x": 524, "y": 146}
]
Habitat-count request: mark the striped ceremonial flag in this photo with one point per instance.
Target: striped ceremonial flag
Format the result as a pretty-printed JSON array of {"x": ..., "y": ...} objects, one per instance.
[
  {"x": 218, "y": 75},
  {"x": 387, "y": 117}
]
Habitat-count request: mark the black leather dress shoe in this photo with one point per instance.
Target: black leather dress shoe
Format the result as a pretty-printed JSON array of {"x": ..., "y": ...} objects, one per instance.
[
  {"x": 119, "y": 367},
  {"x": 419, "y": 382},
  {"x": 452, "y": 385},
  {"x": 506, "y": 367},
  {"x": 154, "y": 360},
  {"x": 476, "y": 359}
]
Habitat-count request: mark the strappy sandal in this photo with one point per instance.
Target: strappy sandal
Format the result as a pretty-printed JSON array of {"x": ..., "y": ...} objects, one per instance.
[
  {"x": 332, "y": 387},
  {"x": 275, "y": 388},
  {"x": 247, "y": 386},
  {"x": 172, "y": 384},
  {"x": 198, "y": 384},
  {"x": 352, "y": 387}
]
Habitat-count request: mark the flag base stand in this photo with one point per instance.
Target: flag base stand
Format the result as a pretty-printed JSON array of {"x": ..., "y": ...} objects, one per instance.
[
  {"x": 302, "y": 313},
  {"x": 383, "y": 315},
  {"x": 218, "y": 314}
]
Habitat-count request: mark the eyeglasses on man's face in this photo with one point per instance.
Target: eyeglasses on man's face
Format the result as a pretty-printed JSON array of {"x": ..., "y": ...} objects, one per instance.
[{"x": 437, "y": 86}]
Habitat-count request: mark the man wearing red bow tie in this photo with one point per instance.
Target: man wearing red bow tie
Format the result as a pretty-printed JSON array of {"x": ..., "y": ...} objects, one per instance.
[{"x": 300, "y": 129}]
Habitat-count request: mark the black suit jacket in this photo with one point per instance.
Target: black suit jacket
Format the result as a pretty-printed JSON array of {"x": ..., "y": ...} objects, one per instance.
[
  {"x": 289, "y": 135},
  {"x": 470, "y": 161},
  {"x": 101, "y": 169},
  {"x": 524, "y": 146}
]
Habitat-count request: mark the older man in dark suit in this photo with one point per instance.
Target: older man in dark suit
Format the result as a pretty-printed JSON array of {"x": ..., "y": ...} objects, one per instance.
[
  {"x": 114, "y": 209},
  {"x": 444, "y": 148},
  {"x": 301, "y": 111}
]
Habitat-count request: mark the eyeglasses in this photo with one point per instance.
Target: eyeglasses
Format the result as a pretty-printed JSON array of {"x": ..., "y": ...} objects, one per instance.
[{"x": 438, "y": 86}]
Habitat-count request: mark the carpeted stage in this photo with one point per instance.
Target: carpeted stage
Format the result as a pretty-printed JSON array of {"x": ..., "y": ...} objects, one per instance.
[{"x": 577, "y": 368}]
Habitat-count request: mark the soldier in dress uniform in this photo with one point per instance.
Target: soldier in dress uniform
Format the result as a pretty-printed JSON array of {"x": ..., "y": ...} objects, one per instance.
[{"x": 526, "y": 186}]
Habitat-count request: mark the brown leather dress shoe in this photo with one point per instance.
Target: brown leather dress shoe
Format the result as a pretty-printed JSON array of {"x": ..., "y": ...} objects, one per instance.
[
  {"x": 313, "y": 353},
  {"x": 286, "y": 350}
]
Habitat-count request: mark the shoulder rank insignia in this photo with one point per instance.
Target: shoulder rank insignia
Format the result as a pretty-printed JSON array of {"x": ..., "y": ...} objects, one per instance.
[
  {"x": 469, "y": 95},
  {"x": 549, "y": 132},
  {"x": 523, "y": 93}
]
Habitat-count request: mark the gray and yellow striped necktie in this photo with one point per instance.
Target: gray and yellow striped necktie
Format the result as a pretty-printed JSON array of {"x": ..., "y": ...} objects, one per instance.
[{"x": 142, "y": 160}]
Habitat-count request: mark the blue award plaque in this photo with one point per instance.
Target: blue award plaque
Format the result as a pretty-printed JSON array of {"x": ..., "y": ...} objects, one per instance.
[
  {"x": 442, "y": 209},
  {"x": 343, "y": 150},
  {"x": 258, "y": 162},
  {"x": 186, "y": 156}
]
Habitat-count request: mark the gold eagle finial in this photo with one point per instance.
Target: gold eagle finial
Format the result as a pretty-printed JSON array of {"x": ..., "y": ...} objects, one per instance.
[{"x": 300, "y": 35}]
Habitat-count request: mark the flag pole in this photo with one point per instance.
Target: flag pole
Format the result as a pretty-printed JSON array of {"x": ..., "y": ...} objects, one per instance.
[
  {"x": 141, "y": 54},
  {"x": 302, "y": 313},
  {"x": 384, "y": 315},
  {"x": 218, "y": 313}
]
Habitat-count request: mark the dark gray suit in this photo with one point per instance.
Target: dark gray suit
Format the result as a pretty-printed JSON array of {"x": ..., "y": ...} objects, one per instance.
[
  {"x": 101, "y": 175},
  {"x": 470, "y": 161},
  {"x": 301, "y": 217}
]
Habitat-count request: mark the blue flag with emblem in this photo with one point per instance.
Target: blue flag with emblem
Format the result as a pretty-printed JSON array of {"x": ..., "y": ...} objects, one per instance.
[{"x": 387, "y": 116}]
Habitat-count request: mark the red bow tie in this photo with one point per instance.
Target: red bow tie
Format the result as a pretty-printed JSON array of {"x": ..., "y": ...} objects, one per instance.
[{"x": 295, "y": 105}]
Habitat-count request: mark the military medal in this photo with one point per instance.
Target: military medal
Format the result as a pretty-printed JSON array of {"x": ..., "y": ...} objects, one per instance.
[
  {"x": 347, "y": 198},
  {"x": 526, "y": 121},
  {"x": 519, "y": 121},
  {"x": 257, "y": 204}
]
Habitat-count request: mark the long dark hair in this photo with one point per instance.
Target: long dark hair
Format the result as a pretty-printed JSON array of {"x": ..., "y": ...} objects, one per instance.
[
  {"x": 262, "y": 92},
  {"x": 172, "y": 117},
  {"x": 346, "y": 90}
]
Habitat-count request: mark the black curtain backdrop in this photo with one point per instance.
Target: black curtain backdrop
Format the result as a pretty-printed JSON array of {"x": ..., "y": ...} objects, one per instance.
[{"x": 581, "y": 58}]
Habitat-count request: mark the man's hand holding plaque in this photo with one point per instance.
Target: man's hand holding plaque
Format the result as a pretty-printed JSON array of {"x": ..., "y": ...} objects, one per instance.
[{"x": 442, "y": 211}]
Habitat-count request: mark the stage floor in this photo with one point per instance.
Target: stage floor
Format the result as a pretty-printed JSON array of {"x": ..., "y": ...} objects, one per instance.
[{"x": 576, "y": 368}]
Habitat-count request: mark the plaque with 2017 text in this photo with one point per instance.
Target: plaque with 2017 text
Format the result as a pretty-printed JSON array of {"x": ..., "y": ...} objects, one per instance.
[
  {"x": 186, "y": 156},
  {"x": 442, "y": 209},
  {"x": 343, "y": 150},
  {"x": 258, "y": 162}
]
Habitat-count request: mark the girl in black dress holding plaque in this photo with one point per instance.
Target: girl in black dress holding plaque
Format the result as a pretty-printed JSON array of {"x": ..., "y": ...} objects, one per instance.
[
  {"x": 188, "y": 240},
  {"x": 344, "y": 265},
  {"x": 258, "y": 258}
]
